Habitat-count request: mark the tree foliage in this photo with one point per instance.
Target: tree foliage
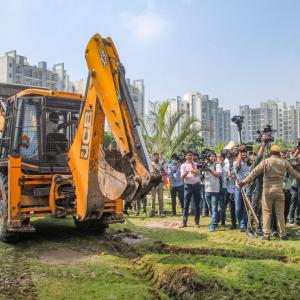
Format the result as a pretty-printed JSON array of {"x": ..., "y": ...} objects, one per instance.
[
  {"x": 160, "y": 130},
  {"x": 285, "y": 145},
  {"x": 109, "y": 140}
]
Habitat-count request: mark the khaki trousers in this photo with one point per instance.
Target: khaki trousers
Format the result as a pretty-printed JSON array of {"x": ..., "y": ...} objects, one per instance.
[
  {"x": 272, "y": 197},
  {"x": 159, "y": 192}
]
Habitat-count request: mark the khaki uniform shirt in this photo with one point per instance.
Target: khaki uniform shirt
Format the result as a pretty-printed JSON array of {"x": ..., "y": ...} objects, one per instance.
[{"x": 274, "y": 169}]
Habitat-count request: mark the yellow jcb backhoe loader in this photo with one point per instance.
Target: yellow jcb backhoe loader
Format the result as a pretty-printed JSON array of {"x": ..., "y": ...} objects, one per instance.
[{"x": 52, "y": 156}]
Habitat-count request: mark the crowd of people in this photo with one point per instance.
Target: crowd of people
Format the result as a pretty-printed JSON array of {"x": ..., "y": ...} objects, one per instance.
[{"x": 207, "y": 185}]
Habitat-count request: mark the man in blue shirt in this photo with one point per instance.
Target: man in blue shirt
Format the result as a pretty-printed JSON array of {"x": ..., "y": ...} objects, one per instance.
[
  {"x": 241, "y": 169},
  {"x": 176, "y": 183}
]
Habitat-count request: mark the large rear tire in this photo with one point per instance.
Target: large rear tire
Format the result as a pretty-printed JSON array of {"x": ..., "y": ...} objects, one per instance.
[{"x": 5, "y": 235}]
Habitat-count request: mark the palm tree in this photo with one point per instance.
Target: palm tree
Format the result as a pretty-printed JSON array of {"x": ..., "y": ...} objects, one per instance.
[{"x": 160, "y": 130}]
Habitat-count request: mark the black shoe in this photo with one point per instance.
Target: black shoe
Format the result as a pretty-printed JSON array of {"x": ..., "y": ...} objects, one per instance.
[
  {"x": 125, "y": 212},
  {"x": 265, "y": 238},
  {"x": 223, "y": 223},
  {"x": 258, "y": 232},
  {"x": 242, "y": 229},
  {"x": 284, "y": 238},
  {"x": 183, "y": 225},
  {"x": 250, "y": 234},
  {"x": 275, "y": 234},
  {"x": 232, "y": 227}
]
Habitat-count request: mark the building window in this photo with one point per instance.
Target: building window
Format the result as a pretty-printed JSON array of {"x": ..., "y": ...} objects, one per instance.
[
  {"x": 10, "y": 65},
  {"x": 9, "y": 75}
]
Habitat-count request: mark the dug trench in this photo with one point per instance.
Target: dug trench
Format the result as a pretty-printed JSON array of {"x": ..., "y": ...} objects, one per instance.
[{"x": 17, "y": 279}]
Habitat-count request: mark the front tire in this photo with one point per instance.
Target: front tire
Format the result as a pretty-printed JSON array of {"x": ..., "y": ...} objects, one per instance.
[{"x": 5, "y": 235}]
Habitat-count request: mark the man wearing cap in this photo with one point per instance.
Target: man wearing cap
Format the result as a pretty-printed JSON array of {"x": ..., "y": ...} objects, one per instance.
[{"x": 274, "y": 170}]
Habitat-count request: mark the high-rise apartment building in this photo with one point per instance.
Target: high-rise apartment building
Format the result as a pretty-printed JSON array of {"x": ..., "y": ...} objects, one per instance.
[
  {"x": 212, "y": 118},
  {"x": 284, "y": 119},
  {"x": 137, "y": 92},
  {"x": 15, "y": 69},
  {"x": 177, "y": 105}
]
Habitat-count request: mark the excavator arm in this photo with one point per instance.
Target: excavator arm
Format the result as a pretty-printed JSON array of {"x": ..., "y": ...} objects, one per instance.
[{"x": 107, "y": 98}]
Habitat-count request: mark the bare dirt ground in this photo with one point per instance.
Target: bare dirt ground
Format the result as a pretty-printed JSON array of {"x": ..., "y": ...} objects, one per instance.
[
  {"x": 147, "y": 259},
  {"x": 163, "y": 224}
]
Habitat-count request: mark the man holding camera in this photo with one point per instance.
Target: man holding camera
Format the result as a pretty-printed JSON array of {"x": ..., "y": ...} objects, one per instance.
[
  {"x": 212, "y": 175},
  {"x": 241, "y": 168},
  {"x": 191, "y": 178},
  {"x": 223, "y": 188},
  {"x": 176, "y": 183},
  {"x": 274, "y": 170},
  {"x": 230, "y": 184}
]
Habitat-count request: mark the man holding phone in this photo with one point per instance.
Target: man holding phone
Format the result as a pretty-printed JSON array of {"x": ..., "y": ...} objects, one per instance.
[{"x": 191, "y": 179}]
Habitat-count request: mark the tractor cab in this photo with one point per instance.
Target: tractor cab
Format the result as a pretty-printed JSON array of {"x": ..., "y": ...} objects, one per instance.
[{"x": 40, "y": 127}]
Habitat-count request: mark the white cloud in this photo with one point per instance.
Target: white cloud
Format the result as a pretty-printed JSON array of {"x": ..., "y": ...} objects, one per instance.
[{"x": 146, "y": 27}]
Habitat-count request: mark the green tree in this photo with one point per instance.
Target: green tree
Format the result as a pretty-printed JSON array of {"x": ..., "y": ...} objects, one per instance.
[
  {"x": 285, "y": 145},
  {"x": 196, "y": 144},
  {"x": 218, "y": 148},
  {"x": 160, "y": 130},
  {"x": 109, "y": 140}
]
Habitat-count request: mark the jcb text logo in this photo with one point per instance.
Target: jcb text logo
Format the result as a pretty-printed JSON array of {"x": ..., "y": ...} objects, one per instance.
[{"x": 86, "y": 135}]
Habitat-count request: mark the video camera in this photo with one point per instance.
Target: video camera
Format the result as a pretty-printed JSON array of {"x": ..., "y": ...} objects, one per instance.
[
  {"x": 238, "y": 121},
  {"x": 295, "y": 162},
  {"x": 268, "y": 131},
  {"x": 181, "y": 157},
  {"x": 202, "y": 161},
  {"x": 246, "y": 147}
]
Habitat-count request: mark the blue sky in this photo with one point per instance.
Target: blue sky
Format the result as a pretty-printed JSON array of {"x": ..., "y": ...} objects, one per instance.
[{"x": 239, "y": 51}]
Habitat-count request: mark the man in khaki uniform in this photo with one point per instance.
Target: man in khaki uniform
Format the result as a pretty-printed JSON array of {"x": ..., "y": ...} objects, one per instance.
[{"x": 274, "y": 170}]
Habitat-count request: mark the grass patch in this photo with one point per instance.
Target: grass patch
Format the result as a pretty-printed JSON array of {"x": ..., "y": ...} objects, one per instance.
[{"x": 58, "y": 262}]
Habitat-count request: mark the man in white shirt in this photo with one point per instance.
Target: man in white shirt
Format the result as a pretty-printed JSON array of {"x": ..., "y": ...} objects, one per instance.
[
  {"x": 191, "y": 179},
  {"x": 212, "y": 176}
]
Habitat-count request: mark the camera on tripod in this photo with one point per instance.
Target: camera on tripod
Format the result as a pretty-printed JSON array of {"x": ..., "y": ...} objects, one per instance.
[
  {"x": 238, "y": 121},
  {"x": 268, "y": 132}
]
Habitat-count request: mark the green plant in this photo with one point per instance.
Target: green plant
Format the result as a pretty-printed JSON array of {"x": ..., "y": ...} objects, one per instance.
[{"x": 161, "y": 134}]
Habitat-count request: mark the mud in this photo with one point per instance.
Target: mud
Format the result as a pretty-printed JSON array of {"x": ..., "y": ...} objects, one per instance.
[
  {"x": 122, "y": 243},
  {"x": 182, "y": 283},
  {"x": 161, "y": 247},
  {"x": 16, "y": 279},
  {"x": 164, "y": 224},
  {"x": 119, "y": 242},
  {"x": 63, "y": 256}
]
